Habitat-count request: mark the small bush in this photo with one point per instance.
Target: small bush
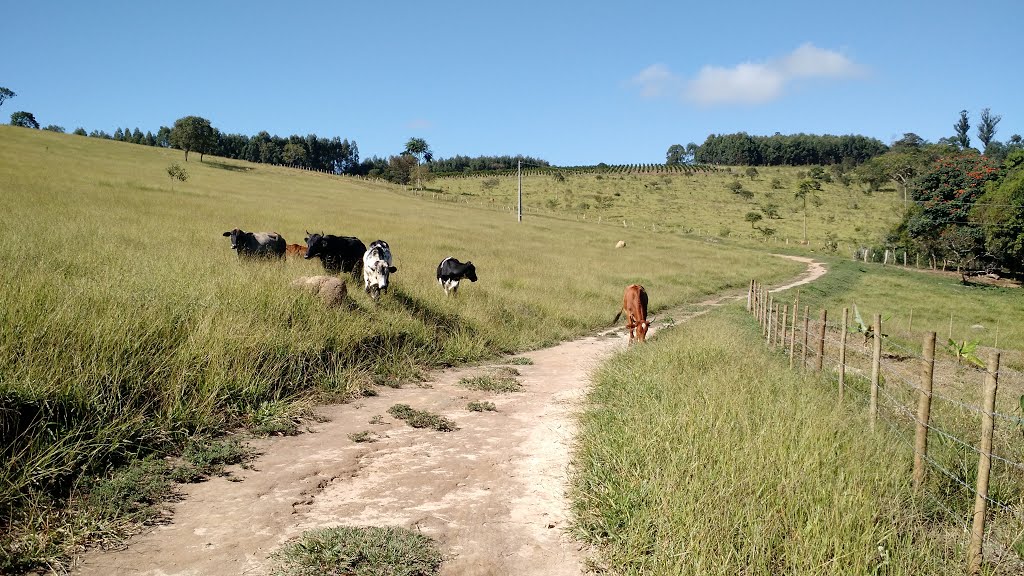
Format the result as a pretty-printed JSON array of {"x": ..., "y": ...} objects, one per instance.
[
  {"x": 359, "y": 551},
  {"x": 520, "y": 361},
  {"x": 481, "y": 407},
  {"x": 422, "y": 418},
  {"x": 176, "y": 172}
]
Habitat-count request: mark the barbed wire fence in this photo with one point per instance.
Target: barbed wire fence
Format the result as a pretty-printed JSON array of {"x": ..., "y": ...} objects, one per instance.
[{"x": 965, "y": 444}]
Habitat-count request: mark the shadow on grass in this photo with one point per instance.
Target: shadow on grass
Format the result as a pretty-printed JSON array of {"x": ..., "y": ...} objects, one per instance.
[{"x": 229, "y": 167}]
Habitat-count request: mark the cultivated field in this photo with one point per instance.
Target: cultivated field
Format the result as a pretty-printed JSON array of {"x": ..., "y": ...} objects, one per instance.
[{"x": 128, "y": 327}]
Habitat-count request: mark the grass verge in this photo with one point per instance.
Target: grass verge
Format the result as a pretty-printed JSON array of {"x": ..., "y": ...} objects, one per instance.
[{"x": 702, "y": 453}]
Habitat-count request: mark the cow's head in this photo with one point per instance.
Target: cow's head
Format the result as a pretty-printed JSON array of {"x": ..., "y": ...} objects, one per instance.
[
  {"x": 383, "y": 271},
  {"x": 470, "y": 272},
  {"x": 315, "y": 245},
  {"x": 236, "y": 235},
  {"x": 641, "y": 330}
]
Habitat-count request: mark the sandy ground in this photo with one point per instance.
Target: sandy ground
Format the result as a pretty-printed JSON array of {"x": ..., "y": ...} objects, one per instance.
[{"x": 492, "y": 494}]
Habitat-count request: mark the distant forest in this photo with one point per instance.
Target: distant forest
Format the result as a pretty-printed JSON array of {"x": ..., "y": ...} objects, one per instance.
[
  {"x": 341, "y": 156},
  {"x": 742, "y": 149}
]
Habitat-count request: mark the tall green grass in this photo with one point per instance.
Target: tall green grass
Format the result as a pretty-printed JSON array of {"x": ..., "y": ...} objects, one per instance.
[
  {"x": 702, "y": 453},
  {"x": 128, "y": 327}
]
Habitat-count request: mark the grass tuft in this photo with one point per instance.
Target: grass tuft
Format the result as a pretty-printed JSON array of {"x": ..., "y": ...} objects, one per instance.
[
  {"x": 422, "y": 418},
  {"x": 489, "y": 383},
  {"x": 481, "y": 407},
  {"x": 358, "y": 551}
]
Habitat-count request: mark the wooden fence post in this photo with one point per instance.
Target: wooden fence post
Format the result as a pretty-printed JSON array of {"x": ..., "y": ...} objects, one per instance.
[
  {"x": 792, "y": 338},
  {"x": 924, "y": 407},
  {"x": 974, "y": 552},
  {"x": 785, "y": 320},
  {"x": 842, "y": 354},
  {"x": 778, "y": 317},
  {"x": 876, "y": 364},
  {"x": 750, "y": 294},
  {"x": 771, "y": 318},
  {"x": 821, "y": 341},
  {"x": 807, "y": 326}
]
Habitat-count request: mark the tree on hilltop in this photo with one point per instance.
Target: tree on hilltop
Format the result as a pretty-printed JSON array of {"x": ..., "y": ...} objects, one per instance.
[
  {"x": 192, "y": 133},
  {"x": 5, "y": 93},
  {"x": 987, "y": 127},
  {"x": 962, "y": 127},
  {"x": 24, "y": 119}
]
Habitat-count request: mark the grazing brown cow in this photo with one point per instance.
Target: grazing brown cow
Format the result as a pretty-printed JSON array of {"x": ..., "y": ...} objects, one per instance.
[
  {"x": 634, "y": 304},
  {"x": 295, "y": 250}
]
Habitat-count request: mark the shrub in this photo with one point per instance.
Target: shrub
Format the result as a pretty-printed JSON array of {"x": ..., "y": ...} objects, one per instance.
[{"x": 176, "y": 172}]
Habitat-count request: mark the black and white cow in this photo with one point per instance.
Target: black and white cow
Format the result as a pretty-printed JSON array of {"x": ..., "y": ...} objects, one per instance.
[
  {"x": 450, "y": 271},
  {"x": 377, "y": 268},
  {"x": 336, "y": 253},
  {"x": 256, "y": 244}
]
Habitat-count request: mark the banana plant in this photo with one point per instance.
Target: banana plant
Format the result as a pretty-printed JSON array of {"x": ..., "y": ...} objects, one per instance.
[
  {"x": 861, "y": 328},
  {"x": 964, "y": 351}
]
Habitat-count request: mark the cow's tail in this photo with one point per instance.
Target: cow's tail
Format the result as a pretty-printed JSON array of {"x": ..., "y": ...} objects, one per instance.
[{"x": 617, "y": 316}]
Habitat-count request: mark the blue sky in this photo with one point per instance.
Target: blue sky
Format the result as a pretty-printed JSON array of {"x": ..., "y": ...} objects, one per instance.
[{"x": 572, "y": 83}]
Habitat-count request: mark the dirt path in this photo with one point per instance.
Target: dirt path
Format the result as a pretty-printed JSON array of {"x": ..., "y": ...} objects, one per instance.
[{"x": 491, "y": 493}]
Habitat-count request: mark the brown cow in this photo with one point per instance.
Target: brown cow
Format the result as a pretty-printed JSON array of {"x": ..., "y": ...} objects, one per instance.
[
  {"x": 634, "y": 304},
  {"x": 297, "y": 250}
]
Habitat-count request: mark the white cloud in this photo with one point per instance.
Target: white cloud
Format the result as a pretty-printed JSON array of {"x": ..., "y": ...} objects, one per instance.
[
  {"x": 748, "y": 82},
  {"x": 809, "y": 61},
  {"x": 655, "y": 81}
]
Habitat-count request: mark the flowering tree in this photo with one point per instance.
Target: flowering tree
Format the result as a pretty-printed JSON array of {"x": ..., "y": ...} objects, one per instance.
[{"x": 945, "y": 195}]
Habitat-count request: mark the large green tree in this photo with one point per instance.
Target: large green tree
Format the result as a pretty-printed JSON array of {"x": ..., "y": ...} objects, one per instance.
[
  {"x": 418, "y": 148},
  {"x": 24, "y": 119},
  {"x": 192, "y": 133},
  {"x": 944, "y": 194},
  {"x": 1000, "y": 214}
]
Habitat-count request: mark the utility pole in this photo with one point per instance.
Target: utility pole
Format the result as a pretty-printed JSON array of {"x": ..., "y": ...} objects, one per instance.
[{"x": 519, "y": 171}]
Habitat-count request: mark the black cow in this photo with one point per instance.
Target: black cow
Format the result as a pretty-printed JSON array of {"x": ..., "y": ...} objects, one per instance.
[
  {"x": 450, "y": 271},
  {"x": 256, "y": 244},
  {"x": 336, "y": 253}
]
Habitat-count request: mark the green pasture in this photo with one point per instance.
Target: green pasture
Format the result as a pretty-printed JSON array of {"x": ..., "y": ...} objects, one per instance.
[
  {"x": 697, "y": 202},
  {"x": 128, "y": 327},
  {"x": 703, "y": 453},
  {"x": 915, "y": 301}
]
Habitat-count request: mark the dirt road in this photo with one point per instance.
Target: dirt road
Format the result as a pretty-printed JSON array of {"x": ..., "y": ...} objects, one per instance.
[{"x": 491, "y": 493}]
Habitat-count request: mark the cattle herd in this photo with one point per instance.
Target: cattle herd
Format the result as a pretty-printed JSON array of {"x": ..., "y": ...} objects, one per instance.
[{"x": 344, "y": 254}]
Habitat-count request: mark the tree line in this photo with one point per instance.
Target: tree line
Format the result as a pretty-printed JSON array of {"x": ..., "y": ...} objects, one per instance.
[{"x": 742, "y": 149}]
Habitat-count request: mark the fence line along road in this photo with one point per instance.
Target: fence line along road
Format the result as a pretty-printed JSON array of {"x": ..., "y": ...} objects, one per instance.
[{"x": 882, "y": 375}]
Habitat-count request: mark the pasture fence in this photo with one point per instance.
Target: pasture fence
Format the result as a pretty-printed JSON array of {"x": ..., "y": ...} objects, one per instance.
[{"x": 947, "y": 414}]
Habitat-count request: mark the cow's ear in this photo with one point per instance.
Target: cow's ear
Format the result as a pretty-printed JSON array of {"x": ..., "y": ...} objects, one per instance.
[
  {"x": 392, "y": 269},
  {"x": 227, "y": 233}
]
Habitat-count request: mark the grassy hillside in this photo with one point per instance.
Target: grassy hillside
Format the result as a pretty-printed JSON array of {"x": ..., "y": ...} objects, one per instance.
[
  {"x": 128, "y": 327},
  {"x": 697, "y": 202}
]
